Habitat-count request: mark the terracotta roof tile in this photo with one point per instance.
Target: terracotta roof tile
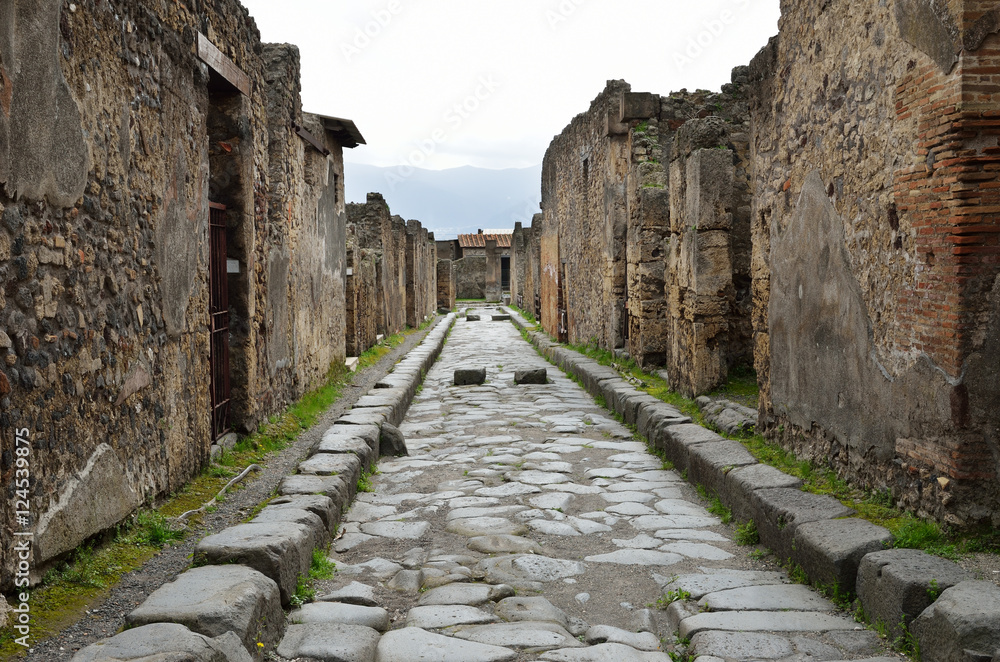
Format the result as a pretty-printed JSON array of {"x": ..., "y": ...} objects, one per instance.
[{"x": 479, "y": 240}]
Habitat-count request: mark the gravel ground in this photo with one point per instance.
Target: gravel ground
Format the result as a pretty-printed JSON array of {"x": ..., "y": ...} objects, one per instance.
[{"x": 108, "y": 617}]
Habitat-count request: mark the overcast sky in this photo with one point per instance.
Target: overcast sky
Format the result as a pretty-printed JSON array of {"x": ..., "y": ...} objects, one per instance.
[{"x": 446, "y": 83}]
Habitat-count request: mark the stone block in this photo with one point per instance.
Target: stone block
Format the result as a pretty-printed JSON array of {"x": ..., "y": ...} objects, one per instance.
[
  {"x": 659, "y": 413},
  {"x": 896, "y": 585},
  {"x": 830, "y": 551},
  {"x": 391, "y": 441},
  {"x": 277, "y": 515},
  {"x": 280, "y": 551},
  {"x": 633, "y": 403},
  {"x": 320, "y": 505},
  {"x": 638, "y": 106},
  {"x": 165, "y": 641},
  {"x": 500, "y": 318},
  {"x": 213, "y": 600},
  {"x": 394, "y": 401},
  {"x": 777, "y": 512},
  {"x": 675, "y": 440},
  {"x": 741, "y": 483},
  {"x": 330, "y": 464},
  {"x": 334, "y": 487},
  {"x": 963, "y": 624},
  {"x": 531, "y": 376},
  {"x": 470, "y": 376},
  {"x": 469, "y": 317},
  {"x": 711, "y": 462},
  {"x": 369, "y": 433},
  {"x": 345, "y": 445},
  {"x": 363, "y": 416}
]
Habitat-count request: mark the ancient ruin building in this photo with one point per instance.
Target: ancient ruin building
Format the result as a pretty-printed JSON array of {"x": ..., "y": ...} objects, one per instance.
[
  {"x": 833, "y": 214},
  {"x": 171, "y": 249},
  {"x": 876, "y": 246},
  {"x": 644, "y": 239},
  {"x": 394, "y": 273}
]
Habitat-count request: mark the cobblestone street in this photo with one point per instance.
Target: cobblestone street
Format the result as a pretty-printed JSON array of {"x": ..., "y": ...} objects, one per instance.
[{"x": 526, "y": 524}]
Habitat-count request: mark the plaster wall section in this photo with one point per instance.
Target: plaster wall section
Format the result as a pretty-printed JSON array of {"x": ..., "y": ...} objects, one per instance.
[{"x": 875, "y": 246}]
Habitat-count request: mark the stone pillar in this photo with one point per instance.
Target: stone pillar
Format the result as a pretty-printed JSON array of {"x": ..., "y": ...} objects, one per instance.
[
  {"x": 445, "y": 285},
  {"x": 493, "y": 287}
]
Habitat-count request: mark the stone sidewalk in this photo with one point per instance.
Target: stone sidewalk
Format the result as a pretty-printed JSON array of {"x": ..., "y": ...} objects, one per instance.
[{"x": 525, "y": 524}]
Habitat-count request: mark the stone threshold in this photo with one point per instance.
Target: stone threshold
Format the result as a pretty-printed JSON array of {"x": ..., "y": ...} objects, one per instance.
[{"x": 909, "y": 592}]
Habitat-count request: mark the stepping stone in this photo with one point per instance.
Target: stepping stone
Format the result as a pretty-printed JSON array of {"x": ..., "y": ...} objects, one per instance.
[
  {"x": 793, "y": 597},
  {"x": 507, "y": 490},
  {"x": 764, "y": 621},
  {"x": 470, "y": 376},
  {"x": 537, "y": 636},
  {"x": 354, "y": 593},
  {"x": 531, "y": 376},
  {"x": 432, "y": 617},
  {"x": 627, "y": 497},
  {"x": 699, "y": 585},
  {"x": 741, "y": 645},
  {"x": 531, "y": 477},
  {"x": 656, "y": 522},
  {"x": 503, "y": 544},
  {"x": 697, "y": 550},
  {"x": 417, "y": 645},
  {"x": 375, "y": 618},
  {"x": 480, "y": 526},
  {"x": 644, "y": 641},
  {"x": 472, "y": 595},
  {"x": 603, "y": 653},
  {"x": 550, "y": 528},
  {"x": 552, "y": 501},
  {"x": 329, "y": 642},
  {"x": 396, "y": 530},
  {"x": 636, "y": 557},
  {"x": 213, "y": 600},
  {"x": 278, "y": 551},
  {"x": 165, "y": 641}
]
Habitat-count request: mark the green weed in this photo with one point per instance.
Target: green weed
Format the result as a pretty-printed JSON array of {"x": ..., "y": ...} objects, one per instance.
[{"x": 747, "y": 534}]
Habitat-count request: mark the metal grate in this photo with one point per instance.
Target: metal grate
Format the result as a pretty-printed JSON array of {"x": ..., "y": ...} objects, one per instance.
[{"x": 219, "y": 320}]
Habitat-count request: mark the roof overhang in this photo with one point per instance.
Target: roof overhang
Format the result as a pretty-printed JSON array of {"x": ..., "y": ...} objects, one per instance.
[{"x": 345, "y": 131}]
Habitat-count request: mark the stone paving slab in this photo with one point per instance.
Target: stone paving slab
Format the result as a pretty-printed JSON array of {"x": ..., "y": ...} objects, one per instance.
[{"x": 164, "y": 641}]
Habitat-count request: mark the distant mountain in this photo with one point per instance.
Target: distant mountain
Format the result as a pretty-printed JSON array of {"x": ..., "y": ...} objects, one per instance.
[{"x": 454, "y": 201}]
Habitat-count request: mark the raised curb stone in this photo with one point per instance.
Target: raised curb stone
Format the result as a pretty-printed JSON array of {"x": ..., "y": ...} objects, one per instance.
[
  {"x": 830, "y": 551},
  {"x": 893, "y": 585},
  {"x": 213, "y": 600},
  {"x": 166, "y": 641},
  {"x": 964, "y": 619}
]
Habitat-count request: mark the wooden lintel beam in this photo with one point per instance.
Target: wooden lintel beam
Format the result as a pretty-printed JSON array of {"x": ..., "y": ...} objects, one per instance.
[{"x": 222, "y": 65}]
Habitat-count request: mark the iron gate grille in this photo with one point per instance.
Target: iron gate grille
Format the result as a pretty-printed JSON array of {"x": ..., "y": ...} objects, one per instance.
[{"x": 219, "y": 320}]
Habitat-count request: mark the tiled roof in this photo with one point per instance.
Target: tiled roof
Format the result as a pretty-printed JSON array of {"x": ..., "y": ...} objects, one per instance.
[{"x": 479, "y": 240}]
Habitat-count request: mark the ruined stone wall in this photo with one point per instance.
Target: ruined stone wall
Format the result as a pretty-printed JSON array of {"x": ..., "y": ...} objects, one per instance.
[
  {"x": 533, "y": 268},
  {"x": 492, "y": 289},
  {"x": 371, "y": 227},
  {"x": 583, "y": 243},
  {"x": 107, "y": 169},
  {"x": 445, "y": 284},
  {"x": 470, "y": 277},
  {"x": 303, "y": 331},
  {"x": 361, "y": 300},
  {"x": 421, "y": 274},
  {"x": 875, "y": 234}
]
